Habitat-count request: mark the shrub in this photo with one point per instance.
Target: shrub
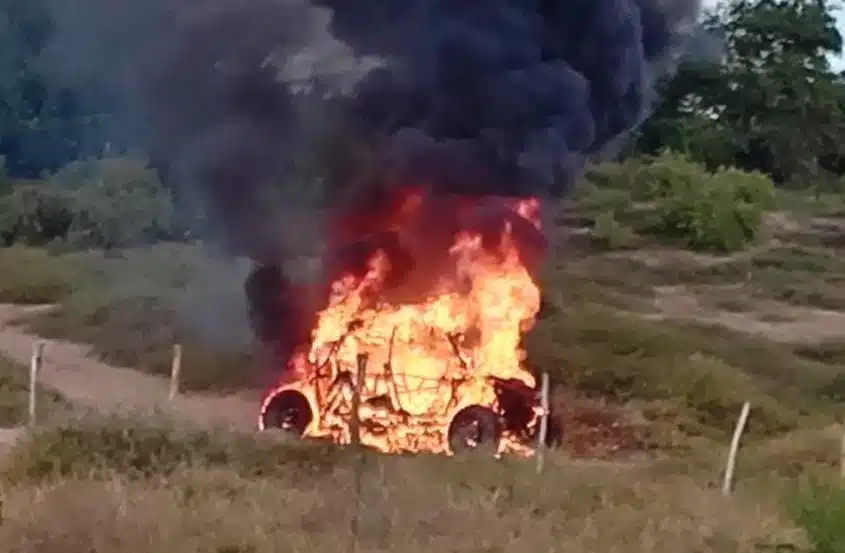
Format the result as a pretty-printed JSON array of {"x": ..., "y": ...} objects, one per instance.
[
  {"x": 112, "y": 202},
  {"x": 619, "y": 176},
  {"x": 612, "y": 234},
  {"x": 33, "y": 214},
  {"x": 719, "y": 211},
  {"x": 115, "y": 202}
]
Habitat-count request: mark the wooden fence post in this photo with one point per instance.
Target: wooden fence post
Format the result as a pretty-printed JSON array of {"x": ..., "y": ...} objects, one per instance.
[
  {"x": 175, "y": 371},
  {"x": 355, "y": 439},
  {"x": 355, "y": 423},
  {"x": 544, "y": 422},
  {"x": 727, "y": 484},
  {"x": 34, "y": 370}
]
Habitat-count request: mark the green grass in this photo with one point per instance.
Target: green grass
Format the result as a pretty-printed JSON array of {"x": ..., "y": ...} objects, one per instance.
[{"x": 34, "y": 276}]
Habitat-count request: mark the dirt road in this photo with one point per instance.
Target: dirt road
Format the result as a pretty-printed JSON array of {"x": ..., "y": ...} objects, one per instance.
[{"x": 70, "y": 370}]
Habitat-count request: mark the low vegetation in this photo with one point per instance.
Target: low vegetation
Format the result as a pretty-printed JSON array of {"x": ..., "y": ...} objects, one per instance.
[
  {"x": 670, "y": 303},
  {"x": 144, "y": 486},
  {"x": 14, "y": 397},
  {"x": 147, "y": 484}
]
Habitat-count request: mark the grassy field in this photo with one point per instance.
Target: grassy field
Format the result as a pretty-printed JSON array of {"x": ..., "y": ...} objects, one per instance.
[
  {"x": 147, "y": 486},
  {"x": 670, "y": 341}
]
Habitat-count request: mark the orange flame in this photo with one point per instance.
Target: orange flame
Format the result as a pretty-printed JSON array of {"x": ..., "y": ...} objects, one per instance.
[{"x": 428, "y": 361}]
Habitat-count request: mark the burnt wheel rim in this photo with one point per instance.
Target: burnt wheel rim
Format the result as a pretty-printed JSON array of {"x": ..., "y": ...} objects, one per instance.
[
  {"x": 474, "y": 428},
  {"x": 288, "y": 412},
  {"x": 469, "y": 434}
]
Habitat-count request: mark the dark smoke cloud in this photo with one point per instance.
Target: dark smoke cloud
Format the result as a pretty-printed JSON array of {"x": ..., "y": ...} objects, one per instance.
[
  {"x": 206, "y": 88},
  {"x": 478, "y": 97},
  {"x": 506, "y": 96}
]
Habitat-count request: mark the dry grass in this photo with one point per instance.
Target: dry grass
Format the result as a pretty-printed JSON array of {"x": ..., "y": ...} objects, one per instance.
[
  {"x": 194, "y": 491},
  {"x": 202, "y": 510},
  {"x": 14, "y": 396}
]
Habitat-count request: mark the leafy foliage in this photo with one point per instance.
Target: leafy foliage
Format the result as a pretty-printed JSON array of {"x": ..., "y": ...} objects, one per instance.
[
  {"x": 767, "y": 100},
  {"x": 112, "y": 202},
  {"x": 612, "y": 234},
  {"x": 706, "y": 211}
]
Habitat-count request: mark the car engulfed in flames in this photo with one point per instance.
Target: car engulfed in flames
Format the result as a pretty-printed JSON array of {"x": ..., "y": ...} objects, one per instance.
[
  {"x": 418, "y": 348},
  {"x": 407, "y": 413}
]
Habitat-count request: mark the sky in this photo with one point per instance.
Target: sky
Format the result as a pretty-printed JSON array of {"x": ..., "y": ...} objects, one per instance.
[{"x": 838, "y": 62}]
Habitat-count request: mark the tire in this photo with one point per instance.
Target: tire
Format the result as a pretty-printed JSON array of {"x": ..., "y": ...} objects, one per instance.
[
  {"x": 288, "y": 412},
  {"x": 474, "y": 428}
]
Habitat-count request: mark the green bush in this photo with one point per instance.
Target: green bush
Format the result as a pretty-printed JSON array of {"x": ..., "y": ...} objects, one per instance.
[
  {"x": 620, "y": 177},
  {"x": 111, "y": 202},
  {"x": 117, "y": 202},
  {"x": 611, "y": 234},
  {"x": 819, "y": 509},
  {"x": 34, "y": 215},
  {"x": 719, "y": 211}
]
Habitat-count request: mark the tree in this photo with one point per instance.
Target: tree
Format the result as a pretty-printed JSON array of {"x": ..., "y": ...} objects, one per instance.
[
  {"x": 42, "y": 125},
  {"x": 773, "y": 103}
]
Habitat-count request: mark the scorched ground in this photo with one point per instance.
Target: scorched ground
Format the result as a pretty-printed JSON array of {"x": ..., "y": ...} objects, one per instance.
[{"x": 428, "y": 297}]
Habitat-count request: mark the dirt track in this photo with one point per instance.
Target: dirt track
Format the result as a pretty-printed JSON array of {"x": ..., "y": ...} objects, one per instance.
[{"x": 70, "y": 370}]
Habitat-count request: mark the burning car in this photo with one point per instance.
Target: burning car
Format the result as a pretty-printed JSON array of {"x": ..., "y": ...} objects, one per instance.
[
  {"x": 404, "y": 412},
  {"x": 418, "y": 347}
]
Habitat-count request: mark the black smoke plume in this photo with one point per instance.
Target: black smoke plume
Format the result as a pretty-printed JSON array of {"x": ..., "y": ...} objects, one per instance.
[
  {"x": 504, "y": 96},
  {"x": 469, "y": 96}
]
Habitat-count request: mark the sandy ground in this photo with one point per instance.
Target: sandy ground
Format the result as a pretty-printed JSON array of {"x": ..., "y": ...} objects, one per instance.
[
  {"x": 775, "y": 321},
  {"x": 70, "y": 370}
]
